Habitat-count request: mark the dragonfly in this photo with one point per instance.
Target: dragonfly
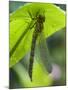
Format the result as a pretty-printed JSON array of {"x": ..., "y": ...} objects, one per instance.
[
  {"x": 38, "y": 24},
  {"x": 38, "y": 29}
]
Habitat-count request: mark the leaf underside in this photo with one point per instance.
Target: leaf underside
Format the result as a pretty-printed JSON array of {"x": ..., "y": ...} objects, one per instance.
[{"x": 20, "y": 20}]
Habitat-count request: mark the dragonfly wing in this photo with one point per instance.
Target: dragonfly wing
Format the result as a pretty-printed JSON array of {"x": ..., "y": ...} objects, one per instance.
[{"x": 44, "y": 54}]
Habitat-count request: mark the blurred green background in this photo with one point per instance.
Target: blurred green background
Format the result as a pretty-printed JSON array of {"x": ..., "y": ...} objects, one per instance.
[{"x": 57, "y": 48}]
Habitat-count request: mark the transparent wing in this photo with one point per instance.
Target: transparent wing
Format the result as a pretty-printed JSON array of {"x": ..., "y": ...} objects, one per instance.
[{"x": 44, "y": 54}]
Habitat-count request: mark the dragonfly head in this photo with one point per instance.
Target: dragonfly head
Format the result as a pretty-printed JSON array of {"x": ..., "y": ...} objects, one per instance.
[{"x": 41, "y": 18}]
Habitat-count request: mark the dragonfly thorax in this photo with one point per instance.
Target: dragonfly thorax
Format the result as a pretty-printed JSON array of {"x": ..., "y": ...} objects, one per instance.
[{"x": 39, "y": 23}]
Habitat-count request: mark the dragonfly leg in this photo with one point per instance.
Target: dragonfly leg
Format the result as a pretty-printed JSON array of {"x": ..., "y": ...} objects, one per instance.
[{"x": 30, "y": 15}]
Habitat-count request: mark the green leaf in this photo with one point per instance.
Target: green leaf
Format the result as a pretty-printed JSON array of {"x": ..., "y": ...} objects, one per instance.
[{"x": 21, "y": 22}]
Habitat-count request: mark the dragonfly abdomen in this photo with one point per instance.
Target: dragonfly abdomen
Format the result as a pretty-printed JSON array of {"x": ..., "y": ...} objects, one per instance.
[{"x": 35, "y": 35}]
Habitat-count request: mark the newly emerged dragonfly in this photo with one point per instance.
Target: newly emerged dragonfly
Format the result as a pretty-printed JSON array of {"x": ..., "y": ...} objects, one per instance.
[
  {"x": 38, "y": 29},
  {"x": 38, "y": 24}
]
